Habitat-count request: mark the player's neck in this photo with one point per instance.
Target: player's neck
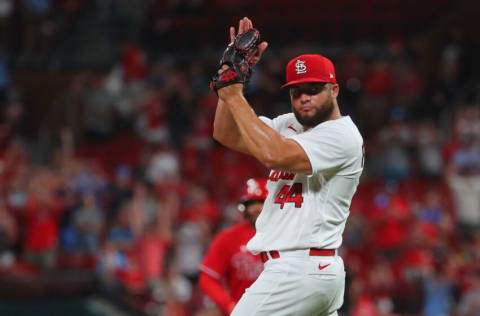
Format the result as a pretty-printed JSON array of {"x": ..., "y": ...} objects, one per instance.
[{"x": 335, "y": 113}]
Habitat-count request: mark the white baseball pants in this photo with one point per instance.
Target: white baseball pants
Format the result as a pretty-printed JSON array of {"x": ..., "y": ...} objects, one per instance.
[{"x": 295, "y": 284}]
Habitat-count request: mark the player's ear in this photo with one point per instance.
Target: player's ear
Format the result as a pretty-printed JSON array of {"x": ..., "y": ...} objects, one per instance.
[{"x": 334, "y": 90}]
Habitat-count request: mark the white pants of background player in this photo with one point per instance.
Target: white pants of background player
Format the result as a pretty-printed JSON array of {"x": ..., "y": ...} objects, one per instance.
[{"x": 295, "y": 285}]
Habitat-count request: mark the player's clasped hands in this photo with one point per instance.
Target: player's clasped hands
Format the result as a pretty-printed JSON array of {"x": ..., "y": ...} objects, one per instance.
[
  {"x": 245, "y": 25},
  {"x": 243, "y": 52}
]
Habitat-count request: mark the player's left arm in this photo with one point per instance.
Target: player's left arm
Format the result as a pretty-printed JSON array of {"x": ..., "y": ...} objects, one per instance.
[{"x": 264, "y": 143}]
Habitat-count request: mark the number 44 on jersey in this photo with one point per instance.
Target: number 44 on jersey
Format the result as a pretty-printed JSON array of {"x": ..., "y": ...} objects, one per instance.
[{"x": 290, "y": 194}]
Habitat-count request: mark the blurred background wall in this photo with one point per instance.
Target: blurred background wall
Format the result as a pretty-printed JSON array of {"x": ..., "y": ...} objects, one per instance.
[{"x": 111, "y": 187}]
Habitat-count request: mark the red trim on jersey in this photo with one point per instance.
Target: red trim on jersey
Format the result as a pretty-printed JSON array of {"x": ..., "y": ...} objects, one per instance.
[{"x": 210, "y": 272}]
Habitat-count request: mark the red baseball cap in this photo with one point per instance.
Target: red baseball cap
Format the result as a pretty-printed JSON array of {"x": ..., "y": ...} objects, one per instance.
[
  {"x": 310, "y": 68},
  {"x": 255, "y": 189}
]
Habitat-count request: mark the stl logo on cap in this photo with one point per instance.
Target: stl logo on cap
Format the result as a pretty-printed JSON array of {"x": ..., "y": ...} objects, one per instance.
[
  {"x": 300, "y": 67},
  {"x": 309, "y": 68}
]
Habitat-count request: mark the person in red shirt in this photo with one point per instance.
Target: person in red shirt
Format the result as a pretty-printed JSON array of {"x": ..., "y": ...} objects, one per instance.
[{"x": 228, "y": 259}]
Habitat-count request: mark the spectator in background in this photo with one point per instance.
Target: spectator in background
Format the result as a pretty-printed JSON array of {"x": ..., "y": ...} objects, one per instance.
[
  {"x": 178, "y": 292},
  {"x": 470, "y": 302},
  {"x": 463, "y": 170},
  {"x": 115, "y": 261},
  {"x": 121, "y": 190},
  {"x": 429, "y": 153},
  {"x": 13, "y": 117},
  {"x": 98, "y": 111},
  {"x": 163, "y": 165},
  {"x": 438, "y": 290},
  {"x": 133, "y": 63},
  {"x": 151, "y": 119},
  {"x": 66, "y": 112},
  {"x": 16, "y": 176},
  {"x": 152, "y": 217},
  {"x": 396, "y": 138},
  {"x": 38, "y": 29},
  {"x": 389, "y": 214},
  {"x": 4, "y": 75},
  {"x": 433, "y": 209},
  {"x": 85, "y": 177},
  {"x": 136, "y": 244},
  {"x": 190, "y": 240},
  {"x": 8, "y": 236},
  {"x": 200, "y": 206},
  {"x": 43, "y": 210},
  {"x": 87, "y": 225},
  {"x": 198, "y": 217},
  {"x": 6, "y": 9}
]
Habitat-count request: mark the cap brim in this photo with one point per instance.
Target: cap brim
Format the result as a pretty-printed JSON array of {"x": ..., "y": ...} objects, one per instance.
[{"x": 303, "y": 80}]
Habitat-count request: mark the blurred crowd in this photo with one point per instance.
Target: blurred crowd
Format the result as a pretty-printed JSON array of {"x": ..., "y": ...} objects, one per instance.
[{"x": 123, "y": 178}]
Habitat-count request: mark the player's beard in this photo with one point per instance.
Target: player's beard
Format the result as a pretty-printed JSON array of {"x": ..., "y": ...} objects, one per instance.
[{"x": 321, "y": 114}]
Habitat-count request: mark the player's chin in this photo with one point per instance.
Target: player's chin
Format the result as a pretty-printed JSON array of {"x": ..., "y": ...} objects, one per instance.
[
  {"x": 307, "y": 114},
  {"x": 307, "y": 117}
]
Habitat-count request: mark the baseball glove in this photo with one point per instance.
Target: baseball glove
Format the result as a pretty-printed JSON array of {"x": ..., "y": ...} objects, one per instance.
[{"x": 239, "y": 58}]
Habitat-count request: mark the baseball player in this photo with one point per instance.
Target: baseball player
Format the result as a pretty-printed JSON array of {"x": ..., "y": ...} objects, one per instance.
[
  {"x": 316, "y": 157},
  {"x": 228, "y": 259}
]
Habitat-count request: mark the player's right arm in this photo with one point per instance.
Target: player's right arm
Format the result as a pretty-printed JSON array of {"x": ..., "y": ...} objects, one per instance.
[{"x": 225, "y": 129}]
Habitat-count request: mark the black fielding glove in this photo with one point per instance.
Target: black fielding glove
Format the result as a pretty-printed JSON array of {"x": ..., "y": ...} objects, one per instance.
[{"x": 238, "y": 57}]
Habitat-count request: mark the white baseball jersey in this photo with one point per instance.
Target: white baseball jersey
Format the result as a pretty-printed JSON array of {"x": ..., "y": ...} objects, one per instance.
[{"x": 310, "y": 211}]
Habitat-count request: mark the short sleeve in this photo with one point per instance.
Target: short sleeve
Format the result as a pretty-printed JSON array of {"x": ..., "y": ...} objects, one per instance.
[
  {"x": 216, "y": 260},
  {"x": 278, "y": 123},
  {"x": 267, "y": 121},
  {"x": 328, "y": 150}
]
